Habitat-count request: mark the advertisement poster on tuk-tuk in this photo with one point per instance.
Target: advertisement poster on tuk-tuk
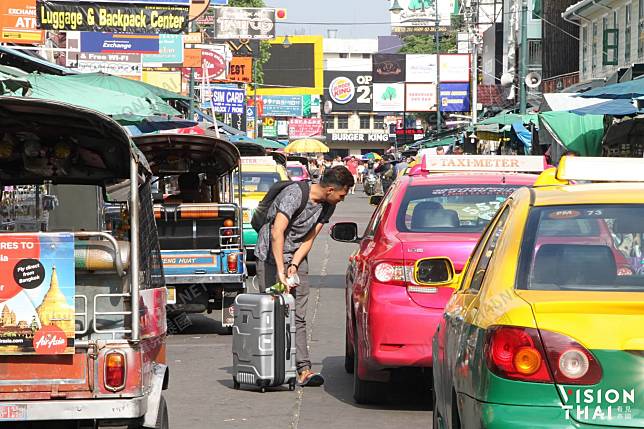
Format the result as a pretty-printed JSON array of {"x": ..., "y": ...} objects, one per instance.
[{"x": 37, "y": 287}]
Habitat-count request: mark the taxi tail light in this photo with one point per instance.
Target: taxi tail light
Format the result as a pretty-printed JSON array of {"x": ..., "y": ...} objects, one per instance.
[
  {"x": 393, "y": 272},
  {"x": 115, "y": 369},
  {"x": 516, "y": 353},
  {"x": 570, "y": 362}
]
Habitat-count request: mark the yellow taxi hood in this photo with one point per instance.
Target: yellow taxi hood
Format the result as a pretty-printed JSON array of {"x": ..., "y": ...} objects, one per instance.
[{"x": 597, "y": 320}]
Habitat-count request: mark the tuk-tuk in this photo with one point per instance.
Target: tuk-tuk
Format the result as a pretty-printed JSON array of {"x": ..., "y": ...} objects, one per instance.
[
  {"x": 199, "y": 227},
  {"x": 82, "y": 300},
  {"x": 260, "y": 170}
]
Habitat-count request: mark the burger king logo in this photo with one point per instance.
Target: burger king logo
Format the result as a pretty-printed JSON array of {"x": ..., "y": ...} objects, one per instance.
[{"x": 342, "y": 90}]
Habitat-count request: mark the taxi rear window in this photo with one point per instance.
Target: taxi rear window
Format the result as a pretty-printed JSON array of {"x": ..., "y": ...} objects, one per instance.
[
  {"x": 258, "y": 181},
  {"x": 450, "y": 208},
  {"x": 295, "y": 171},
  {"x": 583, "y": 248}
]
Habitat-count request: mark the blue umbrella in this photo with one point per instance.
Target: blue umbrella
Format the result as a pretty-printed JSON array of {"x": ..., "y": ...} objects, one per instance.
[
  {"x": 629, "y": 89},
  {"x": 616, "y": 107}
]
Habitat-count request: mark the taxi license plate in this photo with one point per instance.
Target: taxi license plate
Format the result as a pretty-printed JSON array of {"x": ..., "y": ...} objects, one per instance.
[
  {"x": 171, "y": 295},
  {"x": 246, "y": 216},
  {"x": 13, "y": 412}
]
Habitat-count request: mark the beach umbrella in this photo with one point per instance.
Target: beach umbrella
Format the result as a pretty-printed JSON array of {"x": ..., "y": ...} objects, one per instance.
[
  {"x": 306, "y": 146},
  {"x": 372, "y": 155}
]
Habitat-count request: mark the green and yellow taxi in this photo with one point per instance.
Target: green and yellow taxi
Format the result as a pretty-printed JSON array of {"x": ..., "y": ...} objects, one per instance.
[
  {"x": 258, "y": 174},
  {"x": 546, "y": 325}
]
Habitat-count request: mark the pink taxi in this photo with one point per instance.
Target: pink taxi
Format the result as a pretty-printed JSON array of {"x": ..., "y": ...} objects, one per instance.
[{"x": 439, "y": 210}]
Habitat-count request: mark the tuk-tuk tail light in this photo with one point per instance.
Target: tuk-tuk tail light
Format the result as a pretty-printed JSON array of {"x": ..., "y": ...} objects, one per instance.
[{"x": 115, "y": 371}]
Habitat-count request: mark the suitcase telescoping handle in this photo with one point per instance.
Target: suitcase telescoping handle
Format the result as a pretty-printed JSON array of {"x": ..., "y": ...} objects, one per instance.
[{"x": 288, "y": 326}]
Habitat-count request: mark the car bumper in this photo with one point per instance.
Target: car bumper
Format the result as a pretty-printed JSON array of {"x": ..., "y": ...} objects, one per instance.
[
  {"x": 500, "y": 416},
  {"x": 400, "y": 331},
  {"x": 91, "y": 409}
]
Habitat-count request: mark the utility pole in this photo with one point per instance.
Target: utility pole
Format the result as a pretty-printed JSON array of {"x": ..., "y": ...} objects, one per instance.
[
  {"x": 255, "y": 120},
  {"x": 438, "y": 68},
  {"x": 191, "y": 88},
  {"x": 523, "y": 57},
  {"x": 475, "y": 80}
]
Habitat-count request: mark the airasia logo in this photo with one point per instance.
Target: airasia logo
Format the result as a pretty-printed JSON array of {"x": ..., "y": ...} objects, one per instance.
[{"x": 50, "y": 340}]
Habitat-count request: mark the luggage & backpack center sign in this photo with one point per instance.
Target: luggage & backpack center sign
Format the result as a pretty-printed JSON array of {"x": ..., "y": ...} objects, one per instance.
[
  {"x": 137, "y": 18},
  {"x": 37, "y": 288}
]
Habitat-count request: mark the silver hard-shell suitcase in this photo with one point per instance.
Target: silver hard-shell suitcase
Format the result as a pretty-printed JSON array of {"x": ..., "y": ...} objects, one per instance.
[{"x": 264, "y": 341}]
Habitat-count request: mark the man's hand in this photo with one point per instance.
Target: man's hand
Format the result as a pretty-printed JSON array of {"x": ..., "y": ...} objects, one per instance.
[
  {"x": 292, "y": 270},
  {"x": 282, "y": 277}
]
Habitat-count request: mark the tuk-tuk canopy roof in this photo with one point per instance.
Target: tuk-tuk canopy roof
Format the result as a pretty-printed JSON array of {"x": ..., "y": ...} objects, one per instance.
[
  {"x": 250, "y": 149},
  {"x": 43, "y": 140},
  {"x": 179, "y": 153}
]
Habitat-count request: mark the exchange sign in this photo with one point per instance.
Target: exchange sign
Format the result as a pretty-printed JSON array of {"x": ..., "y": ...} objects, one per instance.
[
  {"x": 111, "y": 43},
  {"x": 244, "y": 23},
  {"x": 228, "y": 100},
  {"x": 18, "y": 22}
]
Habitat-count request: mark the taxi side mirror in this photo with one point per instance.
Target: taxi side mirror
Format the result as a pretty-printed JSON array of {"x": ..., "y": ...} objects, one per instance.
[
  {"x": 375, "y": 200},
  {"x": 434, "y": 271},
  {"x": 346, "y": 232}
]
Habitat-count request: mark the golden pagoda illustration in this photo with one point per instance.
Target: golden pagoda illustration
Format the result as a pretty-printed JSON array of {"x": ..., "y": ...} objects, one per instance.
[
  {"x": 7, "y": 317},
  {"x": 54, "y": 309}
]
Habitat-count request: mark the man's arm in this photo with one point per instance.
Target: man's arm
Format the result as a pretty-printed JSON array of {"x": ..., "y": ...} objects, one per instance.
[
  {"x": 307, "y": 244},
  {"x": 277, "y": 243}
]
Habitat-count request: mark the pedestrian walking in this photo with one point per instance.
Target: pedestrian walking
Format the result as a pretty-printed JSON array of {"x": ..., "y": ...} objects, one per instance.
[
  {"x": 352, "y": 166},
  {"x": 286, "y": 239}
]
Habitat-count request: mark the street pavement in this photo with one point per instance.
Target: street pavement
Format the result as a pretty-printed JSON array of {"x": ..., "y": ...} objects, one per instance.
[{"x": 201, "y": 393}]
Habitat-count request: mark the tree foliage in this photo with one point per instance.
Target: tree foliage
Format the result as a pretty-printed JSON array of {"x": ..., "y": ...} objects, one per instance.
[{"x": 426, "y": 44}]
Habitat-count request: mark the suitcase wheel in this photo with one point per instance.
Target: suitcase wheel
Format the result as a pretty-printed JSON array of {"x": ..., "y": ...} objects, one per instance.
[
  {"x": 235, "y": 384},
  {"x": 291, "y": 385},
  {"x": 263, "y": 390}
]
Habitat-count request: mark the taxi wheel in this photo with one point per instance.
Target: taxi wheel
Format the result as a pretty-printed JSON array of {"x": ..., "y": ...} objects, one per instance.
[
  {"x": 364, "y": 392},
  {"x": 349, "y": 357}
]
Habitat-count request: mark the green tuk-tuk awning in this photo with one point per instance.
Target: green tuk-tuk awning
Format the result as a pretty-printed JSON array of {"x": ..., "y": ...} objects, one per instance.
[
  {"x": 126, "y": 86},
  {"x": 112, "y": 103},
  {"x": 581, "y": 133}
]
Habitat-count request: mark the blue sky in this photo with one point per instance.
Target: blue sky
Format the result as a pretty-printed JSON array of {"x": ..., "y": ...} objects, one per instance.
[{"x": 334, "y": 11}]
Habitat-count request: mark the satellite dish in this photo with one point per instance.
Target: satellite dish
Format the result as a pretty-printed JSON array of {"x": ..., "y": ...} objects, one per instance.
[
  {"x": 507, "y": 79},
  {"x": 533, "y": 80}
]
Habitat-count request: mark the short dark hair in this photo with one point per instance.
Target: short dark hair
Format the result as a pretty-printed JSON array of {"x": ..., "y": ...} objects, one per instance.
[{"x": 337, "y": 177}]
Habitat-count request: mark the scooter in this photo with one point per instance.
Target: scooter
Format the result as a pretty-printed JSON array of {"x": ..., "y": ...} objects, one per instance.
[{"x": 370, "y": 184}]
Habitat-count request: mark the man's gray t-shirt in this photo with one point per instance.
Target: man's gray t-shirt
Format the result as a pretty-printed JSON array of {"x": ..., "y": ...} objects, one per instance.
[{"x": 288, "y": 202}]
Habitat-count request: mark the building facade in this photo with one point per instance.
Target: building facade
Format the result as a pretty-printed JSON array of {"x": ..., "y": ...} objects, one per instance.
[
  {"x": 351, "y": 126},
  {"x": 611, "y": 36}
]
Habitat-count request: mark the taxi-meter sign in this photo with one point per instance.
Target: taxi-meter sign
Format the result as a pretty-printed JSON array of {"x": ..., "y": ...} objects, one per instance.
[{"x": 482, "y": 163}]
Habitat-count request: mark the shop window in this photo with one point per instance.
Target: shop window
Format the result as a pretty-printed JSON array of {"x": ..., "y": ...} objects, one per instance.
[
  {"x": 593, "y": 59},
  {"x": 343, "y": 123},
  {"x": 379, "y": 121},
  {"x": 365, "y": 122},
  {"x": 611, "y": 47}
]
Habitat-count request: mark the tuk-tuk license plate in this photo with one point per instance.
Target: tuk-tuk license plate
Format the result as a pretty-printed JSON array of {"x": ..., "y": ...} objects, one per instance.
[
  {"x": 171, "y": 295},
  {"x": 13, "y": 412}
]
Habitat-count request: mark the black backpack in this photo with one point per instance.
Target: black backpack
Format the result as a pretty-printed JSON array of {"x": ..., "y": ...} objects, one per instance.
[{"x": 260, "y": 216}]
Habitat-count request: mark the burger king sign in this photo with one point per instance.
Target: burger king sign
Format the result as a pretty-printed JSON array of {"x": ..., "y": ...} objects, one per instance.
[
  {"x": 348, "y": 90},
  {"x": 342, "y": 90}
]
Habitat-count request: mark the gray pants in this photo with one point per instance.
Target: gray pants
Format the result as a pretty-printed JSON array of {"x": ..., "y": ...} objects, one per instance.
[{"x": 267, "y": 277}]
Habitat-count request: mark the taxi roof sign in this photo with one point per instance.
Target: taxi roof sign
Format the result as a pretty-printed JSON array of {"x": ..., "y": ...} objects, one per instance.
[
  {"x": 598, "y": 169},
  {"x": 490, "y": 163},
  {"x": 258, "y": 160}
]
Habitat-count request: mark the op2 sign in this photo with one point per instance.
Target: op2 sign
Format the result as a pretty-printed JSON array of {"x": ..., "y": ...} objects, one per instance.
[
  {"x": 228, "y": 100},
  {"x": 348, "y": 90}
]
